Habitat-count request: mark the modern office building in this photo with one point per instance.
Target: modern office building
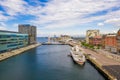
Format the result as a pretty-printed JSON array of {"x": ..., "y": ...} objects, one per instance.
[
  {"x": 11, "y": 40},
  {"x": 30, "y": 30},
  {"x": 118, "y": 41},
  {"x": 91, "y": 33}
]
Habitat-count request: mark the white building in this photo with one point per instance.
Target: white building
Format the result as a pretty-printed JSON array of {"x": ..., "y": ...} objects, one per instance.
[{"x": 91, "y": 33}]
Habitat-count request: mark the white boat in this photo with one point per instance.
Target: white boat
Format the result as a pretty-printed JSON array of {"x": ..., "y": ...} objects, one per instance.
[{"x": 77, "y": 56}]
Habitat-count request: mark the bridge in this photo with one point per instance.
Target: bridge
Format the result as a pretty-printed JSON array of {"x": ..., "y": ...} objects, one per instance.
[{"x": 53, "y": 43}]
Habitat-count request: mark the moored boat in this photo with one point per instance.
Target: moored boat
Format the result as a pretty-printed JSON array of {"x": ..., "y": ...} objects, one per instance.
[{"x": 77, "y": 56}]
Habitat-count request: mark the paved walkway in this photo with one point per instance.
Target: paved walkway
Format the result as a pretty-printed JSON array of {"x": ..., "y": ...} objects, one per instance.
[
  {"x": 109, "y": 54},
  {"x": 112, "y": 66}
]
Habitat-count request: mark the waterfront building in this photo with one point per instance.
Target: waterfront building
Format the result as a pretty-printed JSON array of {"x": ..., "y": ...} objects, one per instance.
[
  {"x": 30, "y": 30},
  {"x": 65, "y": 37},
  {"x": 111, "y": 43},
  {"x": 11, "y": 40},
  {"x": 96, "y": 41},
  {"x": 91, "y": 33},
  {"x": 118, "y": 41},
  {"x": 103, "y": 41}
]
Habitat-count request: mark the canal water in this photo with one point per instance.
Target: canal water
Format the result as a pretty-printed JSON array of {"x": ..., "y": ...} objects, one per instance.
[{"x": 47, "y": 62}]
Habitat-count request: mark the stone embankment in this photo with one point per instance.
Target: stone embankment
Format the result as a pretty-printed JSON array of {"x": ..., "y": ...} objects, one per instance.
[
  {"x": 9, "y": 54},
  {"x": 108, "y": 66}
]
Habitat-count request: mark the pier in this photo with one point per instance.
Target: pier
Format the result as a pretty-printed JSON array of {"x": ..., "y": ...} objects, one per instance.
[
  {"x": 107, "y": 65},
  {"x": 11, "y": 53},
  {"x": 53, "y": 43}
]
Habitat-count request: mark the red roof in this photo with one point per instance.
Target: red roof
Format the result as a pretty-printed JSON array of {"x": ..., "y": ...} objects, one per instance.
[{"x": 97, "y": 37}]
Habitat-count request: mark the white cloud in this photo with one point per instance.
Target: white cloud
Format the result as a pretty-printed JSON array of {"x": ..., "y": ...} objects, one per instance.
[
  {"x": 114, "y": 20},
  {"x": 58, "y": 11},
  {"x": 2, "y": 26},
  {"x": 100, "y": 24},
  {"x": 62, "y": 13},
  {"x": 111, "y": 18},
  {"x": 13, "y": 7},
  {"x": 15, "y": 25},
  {"x": 3, "y": 17},
  {"x": 60, "y": 32}
]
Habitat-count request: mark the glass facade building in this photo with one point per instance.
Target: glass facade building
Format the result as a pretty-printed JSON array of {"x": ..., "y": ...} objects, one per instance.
[{"x": 12, "y": 40}]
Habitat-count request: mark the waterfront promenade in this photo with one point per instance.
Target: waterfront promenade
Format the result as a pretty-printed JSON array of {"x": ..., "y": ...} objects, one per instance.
[
  {"x": 6, "y": 55},
  {"x": 109, "y": 54},
  {"x": 106, "y": 62},
  {"x": 109, "y": 66}
]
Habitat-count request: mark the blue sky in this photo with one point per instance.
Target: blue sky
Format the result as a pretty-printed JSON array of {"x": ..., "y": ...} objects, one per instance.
[{"x": 56, "y": 17}]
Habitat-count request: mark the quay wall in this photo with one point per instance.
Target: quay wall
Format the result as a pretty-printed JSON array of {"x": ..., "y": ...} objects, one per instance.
[
  {"x": 9, "y": 54},
  {"x": 99, "y": 67}
]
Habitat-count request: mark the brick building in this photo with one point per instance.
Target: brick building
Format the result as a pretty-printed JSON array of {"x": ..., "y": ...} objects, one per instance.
[
  {"x": 103, "y": 41},
  {"x": 97, "y": 40},
  {"x": 110, "y": 42},
  {"x": 118, "y": 41}
]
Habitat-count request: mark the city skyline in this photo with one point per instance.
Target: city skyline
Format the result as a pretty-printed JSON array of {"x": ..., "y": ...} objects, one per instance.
[{"x": 56, "y": 17}]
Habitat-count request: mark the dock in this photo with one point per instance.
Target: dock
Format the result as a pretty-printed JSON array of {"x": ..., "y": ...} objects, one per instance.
[
  {"x": 12, "y": 53},
  {"x": 53, "y": 43},
  {"x": 108, "y": 66}
]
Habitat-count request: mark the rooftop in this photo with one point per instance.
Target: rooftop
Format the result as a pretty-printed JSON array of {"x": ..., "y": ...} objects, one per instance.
[
  {"x": 8, "y": 31},
  {"x": 26, "y": 25},
  {"x": 93, "y": 30}
]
